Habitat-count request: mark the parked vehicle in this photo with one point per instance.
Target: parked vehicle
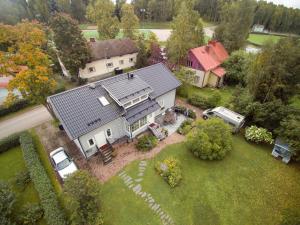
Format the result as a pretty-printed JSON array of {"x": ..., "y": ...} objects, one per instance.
[
  {"x": 232, "y": 118},
  {"x": 62, "y": 162}
]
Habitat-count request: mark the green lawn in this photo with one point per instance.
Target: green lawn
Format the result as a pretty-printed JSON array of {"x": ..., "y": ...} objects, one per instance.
[
  {"x": 260, "y": 39},
  {"x": 11, "y": 163},
  {"x": 155, "y": 25},
  {"x": 248, "y": 187},
  {"x": 226, "y": 92}
]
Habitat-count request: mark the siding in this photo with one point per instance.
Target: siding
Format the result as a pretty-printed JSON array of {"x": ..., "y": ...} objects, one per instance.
[
  {"x": 101, "y": 70},
  {"x": 169, "y": 101},
  {"x": 213, "y": 80}
]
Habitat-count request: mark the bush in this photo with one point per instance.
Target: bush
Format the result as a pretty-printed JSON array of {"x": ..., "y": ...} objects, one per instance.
[
  {"x": 204, "y": 102},
  {"x": 59, "y": 89},
  {"x": 183, "y": 110},
  {"x": 185, "y": 127},
  {"x": 7, "y": 201},
  {"x": 9, "y": 142},
  {"x": 18, "y": 105},
  {"x": 212, "y": 139},
  {"x": 22, "y": 179},
  {"x": 31, "y": 214},
  {"x": 54, "y": 214},
  {"x": 170, "y": 170},
  {"x": 258, "y": 135},
  {"x": 146, "y": 143}
]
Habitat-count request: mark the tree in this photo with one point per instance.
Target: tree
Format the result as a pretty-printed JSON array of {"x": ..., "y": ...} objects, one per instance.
[
  {"x": 211, "y": 139},
  {"x": 7, "y": 201},
  {"x": 275, "y": 72},
  {"x": 187, "y": 33},
  {"x": 141, "y": 60},
  {"x": 39, "y": 9},
  {"x": 236, "y": 20},
  {"x": 29, "y": 64},
  {"x": 82, "y": 195},
  {"x": 71, "y": 45},
  {"x": 156, "y": 55},
  {"x": 78, "y": 10},
  {"x": 64, "y": 6},
  {"x": 130, "y": 22},
  {"x": 101, "y": 12},
  {"x": 289, "y": 131},
  {"x": 118, "y": 7},
  {"x": 237, "y": 67}
]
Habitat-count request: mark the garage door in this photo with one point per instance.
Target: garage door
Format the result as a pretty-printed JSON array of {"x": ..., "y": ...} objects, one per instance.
[{"x": 100, "y": 139}]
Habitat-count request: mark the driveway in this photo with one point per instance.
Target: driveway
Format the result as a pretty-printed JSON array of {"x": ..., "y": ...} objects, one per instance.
[{"x": 27, "y": 120}]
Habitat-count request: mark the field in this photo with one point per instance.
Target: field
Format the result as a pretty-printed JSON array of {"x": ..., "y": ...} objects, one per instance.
[
  {"x": 248, "y": 187},
  {"x": 12, "y": 163},
  {"x": 260, "y": 39},
  {"x": 94, "y": 34}
]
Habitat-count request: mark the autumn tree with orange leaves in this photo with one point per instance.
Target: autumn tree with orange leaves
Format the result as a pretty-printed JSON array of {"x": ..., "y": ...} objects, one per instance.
[{"x": 23, "y": 56}]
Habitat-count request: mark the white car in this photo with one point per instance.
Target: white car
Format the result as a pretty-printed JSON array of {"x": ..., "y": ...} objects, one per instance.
[{"x": 62, "y": 163}]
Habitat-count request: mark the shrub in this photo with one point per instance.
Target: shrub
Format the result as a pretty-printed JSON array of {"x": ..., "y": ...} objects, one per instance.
[
  {"x": 18, "y": 105},
  {"x": 170, "y": 170},
  {"x": 185, "y": 127},
  {"x": 146, "y": 143},
  {"x": 7, "y": 201},
  {"x": 191, "y": 114},
  {"x": 183, "y": 110},
  {"x": 204, "y": 102},
  {"x": 31, "y": 214},
  {"x": 9, "y": 142},
  {"x": 54, "y": 214},
  {"x": 258, "y": 135},
  {"x": 212, "y": 139},
  {"x": 60, "y": 88},
  {"x": 22, "y": 179}
]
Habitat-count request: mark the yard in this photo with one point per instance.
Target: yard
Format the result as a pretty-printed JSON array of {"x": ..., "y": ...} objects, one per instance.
[
  {"x": 94, "y": 34},
  {"x": 248, "y": 187},
  {"x": 260, "y": 39},
  {"x": 12, "y": 163}
]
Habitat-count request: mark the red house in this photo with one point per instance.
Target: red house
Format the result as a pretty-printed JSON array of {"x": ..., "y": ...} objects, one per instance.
[{"x": 206, "y": 62}]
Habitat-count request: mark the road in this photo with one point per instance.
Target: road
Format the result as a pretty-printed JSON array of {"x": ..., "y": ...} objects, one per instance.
[{"x": 27, "y": 120}]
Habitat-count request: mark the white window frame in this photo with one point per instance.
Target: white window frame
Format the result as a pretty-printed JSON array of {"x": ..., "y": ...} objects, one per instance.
[
  {"x": 127, "y": 104},
  {"x": 103, "y": 100},
  {"x": 108, "y": 65},
  {"x": 88, "y": 141},
  {"x": 121, "y": 61},
  {"x": 109, "y": 136},
  {"x": 144, "y": 97},
  {"x": 131, "y": 60},
  {"x": 135, "y": 101}
]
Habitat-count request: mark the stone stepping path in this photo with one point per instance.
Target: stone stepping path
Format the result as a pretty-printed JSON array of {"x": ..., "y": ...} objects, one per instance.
[{"x": 136, "y": 187}]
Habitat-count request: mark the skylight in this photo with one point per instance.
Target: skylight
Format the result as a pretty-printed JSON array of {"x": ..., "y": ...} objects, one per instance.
[{"x": 103, "y": 101}]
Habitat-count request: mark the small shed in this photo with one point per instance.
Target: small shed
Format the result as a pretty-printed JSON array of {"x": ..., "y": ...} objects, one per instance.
[{"x": 281, "y": 149}]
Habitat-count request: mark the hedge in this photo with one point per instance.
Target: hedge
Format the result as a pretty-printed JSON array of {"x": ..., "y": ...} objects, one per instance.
[
  {"x": 20, "y": 104},
  {"x": 54, "y": 213},
  {"x": 9, "y": 142}
]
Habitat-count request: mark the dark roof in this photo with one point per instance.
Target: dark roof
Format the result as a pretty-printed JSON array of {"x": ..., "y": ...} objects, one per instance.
[
  {"x": 80, "y": 110},
  {"x": 111, "y": 48},
  {"x": 140, "y": 110},
  {"x": 125, "y": 89}
]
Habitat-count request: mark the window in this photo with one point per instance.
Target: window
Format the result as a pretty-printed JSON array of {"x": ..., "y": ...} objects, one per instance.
[
  {"x": 126, "y": 105},
  {"x": 91, "y": 142},
  {"x": 109, "y": 65},
  {"x": 197, "y": 79},
  {"x": 108, "y": 132},
  {"x": 121, "y": 62},
  {"x": 135, "y": 100},
  {"x": 92, "y": 69},
  {"x": 143, "y": 121},
  {"x": 103, "y": 101},
  {"x": 135, "y": 126},
  {"x": 144, "y": 97},
  {"x": 189, "y": 63},
  {"x": 130, "y": 60}
]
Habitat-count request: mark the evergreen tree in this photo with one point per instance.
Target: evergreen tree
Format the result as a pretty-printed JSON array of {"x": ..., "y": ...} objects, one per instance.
[
  {"x": 78, "y": 10},
  {"x": 187, "y": 33},
  {"x": 236, "y": 21},
  {"x": 101, "y": 12},
  {"x": 39, "y": 9},
  {"x": 141, "y": 60},
  {"x": 130, "y": 22},
  {"x": 64, "y": 6},
  {"x": 71, "y": 45}
]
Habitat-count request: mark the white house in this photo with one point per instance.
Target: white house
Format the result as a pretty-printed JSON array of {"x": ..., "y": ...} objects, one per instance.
[
  {"x": 108, "y": 55},
  {"x": 100, "y": 113}
]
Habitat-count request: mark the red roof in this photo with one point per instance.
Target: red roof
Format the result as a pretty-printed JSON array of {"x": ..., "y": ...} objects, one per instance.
[
  {"x": 219, "y": 71},
  {"x": 211, "y": 56}
]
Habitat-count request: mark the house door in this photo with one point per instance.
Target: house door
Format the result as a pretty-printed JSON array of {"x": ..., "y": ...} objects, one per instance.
[{"x": 100, "y": 139}]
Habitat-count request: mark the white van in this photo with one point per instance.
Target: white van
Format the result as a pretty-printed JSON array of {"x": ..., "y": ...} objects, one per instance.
[{"x": 234, "y": 119}]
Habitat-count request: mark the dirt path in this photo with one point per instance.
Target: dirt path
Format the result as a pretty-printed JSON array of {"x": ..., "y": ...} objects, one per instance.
[
  {"x": 127, "y": 153},
  {"x": 183, "y": 102}
]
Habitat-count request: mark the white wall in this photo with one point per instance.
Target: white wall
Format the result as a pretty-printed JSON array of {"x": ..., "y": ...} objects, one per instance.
[
  {"x": 168, "y": 99},
  {"x": 101, "y": 69}
]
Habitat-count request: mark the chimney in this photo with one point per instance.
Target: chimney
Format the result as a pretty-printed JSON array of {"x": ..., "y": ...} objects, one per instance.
[{"x": 92, "y": 40}]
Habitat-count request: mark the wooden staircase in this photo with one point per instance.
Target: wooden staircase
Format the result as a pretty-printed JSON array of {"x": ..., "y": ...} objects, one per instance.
[{"x": 105, "y": 152}]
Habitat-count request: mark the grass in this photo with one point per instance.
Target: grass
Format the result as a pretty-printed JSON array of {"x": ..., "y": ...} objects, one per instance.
[
  {"x": 155, "y": 25},
  {"x": 12, "y": 163},
  {"x": 226, "y": 93},
  {"x": 260, "y": 39},
  {"x": 248, "y": 187},
  {"x": 46, "y": 163}
]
